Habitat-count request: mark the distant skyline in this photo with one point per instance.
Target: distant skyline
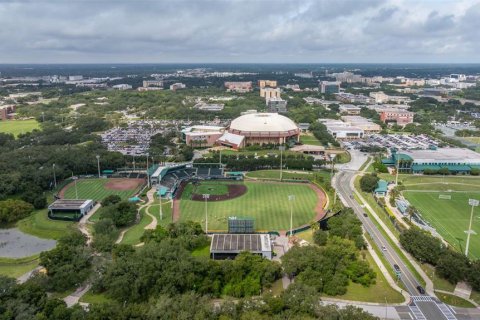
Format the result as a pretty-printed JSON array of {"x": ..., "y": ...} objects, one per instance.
[{"x": 240, "y": 31}]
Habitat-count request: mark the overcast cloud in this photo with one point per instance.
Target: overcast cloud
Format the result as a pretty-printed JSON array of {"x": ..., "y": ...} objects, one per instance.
[{"x": 102, "y": 31}]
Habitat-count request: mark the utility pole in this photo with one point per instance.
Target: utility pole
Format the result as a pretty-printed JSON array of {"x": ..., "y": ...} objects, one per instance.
[
  {"x": 290, "y": 199},
  {"x": 54, "y": 177},
  {"x": 98, "y": 165},
  {"x": 473, "y": 203},
  {"x": 206, "y": 196},
  {"x": 281, "y": 148}
]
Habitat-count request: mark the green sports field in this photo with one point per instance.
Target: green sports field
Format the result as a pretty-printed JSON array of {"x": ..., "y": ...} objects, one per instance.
[
  {"x": 96, "y": 189},
  {"x": 449, "y": 217},
  {"x": 16, "y": 127},
  {"x": 267, "y": 203}
]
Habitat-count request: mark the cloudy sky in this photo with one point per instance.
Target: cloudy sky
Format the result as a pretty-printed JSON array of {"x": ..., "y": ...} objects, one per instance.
[{"x": 321, "y": 31}]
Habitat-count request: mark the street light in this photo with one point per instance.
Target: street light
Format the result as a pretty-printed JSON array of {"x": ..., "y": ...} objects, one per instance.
[
  {"x": 281, "y": 148},
  {"x": 473, "y": 203},
  {"x": 54, "y": 177},
  {"x": 290, "y": 199},
  {"x": 206, "y": 196},
  {"x": 98, "y": 164}
]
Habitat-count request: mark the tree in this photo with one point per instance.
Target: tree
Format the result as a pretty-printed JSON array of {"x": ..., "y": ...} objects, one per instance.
[
  {"x": 122, "y": 214},
  {"x": 110, "y": 200},
  {"x": 368, "y": 182},
  {"x": 421, "y": 245},
  {"x": 320, "y": 237},
  {"x": 411, "y": 211},
  {"x": 12, "y": 210},
  {"x": 453, "y": 266}
]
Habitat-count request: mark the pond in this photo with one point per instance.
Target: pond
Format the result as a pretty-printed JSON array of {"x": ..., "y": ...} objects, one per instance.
[{"x": 16, "y": 244}]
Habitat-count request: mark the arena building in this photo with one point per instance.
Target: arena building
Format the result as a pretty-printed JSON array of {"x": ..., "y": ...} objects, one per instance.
[{"x": 265, "y": 128}]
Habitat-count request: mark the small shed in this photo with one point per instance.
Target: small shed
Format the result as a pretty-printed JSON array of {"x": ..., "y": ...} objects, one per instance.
[{"x": 381, "y": 189}]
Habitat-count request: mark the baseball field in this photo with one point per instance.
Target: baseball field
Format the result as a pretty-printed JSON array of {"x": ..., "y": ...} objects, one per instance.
[
  {"x": 97, "y": 189},
  {"x": 266, "y": 202}
]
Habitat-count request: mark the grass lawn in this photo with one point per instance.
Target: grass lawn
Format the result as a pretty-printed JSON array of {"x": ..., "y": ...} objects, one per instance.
[
  {"x": 202, "y": 252},
  {"x": 449, "y": 217},
  {"x": 438, "y": 283},
  {"x": 310, "y": 139},
  {"x": 454, "y": 300},
  {"x": 475, "y": 296},
  {"x": 410, "y": 180},
  {"x": 267, "y": 203},
  {"x": 377, "y": 292},
  {"x": 473, "y": 139},
  {"x": 133, "y": 235},
  {"x": 38, "y": 224},
  {"x": 16, "y": 267},
  {"x": 306, "y": 235},
  {"x": 93, "y": 298},
  {"x": 277, "y": 288},
  {"x": 95, "y": 189},
  {"x": 17, "y": 127}
]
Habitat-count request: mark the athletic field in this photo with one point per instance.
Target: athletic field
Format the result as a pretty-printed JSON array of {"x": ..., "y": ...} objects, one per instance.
[
  {"x": 16, "y": 127},
  {"x": 266, "y": 202},
  {"x": 97, "y": 189},
  {"x": 449, "y": 217}
]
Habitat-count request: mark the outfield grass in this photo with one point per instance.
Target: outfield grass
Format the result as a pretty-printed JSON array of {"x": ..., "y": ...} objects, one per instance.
[
  {"x": 94, "y": 189},
  {"x": 449, "y": 217},
  {"x": 38, "y": 224},
  {"x": 267, "y": 203},
  {"x": 299, "y": 175},
  {"x": 16, "y": 267},
  {"x": 17, "y": 127}
]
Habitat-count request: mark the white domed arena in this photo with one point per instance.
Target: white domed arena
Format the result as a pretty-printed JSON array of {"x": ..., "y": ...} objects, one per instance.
[{"x": 265, "y": 128}]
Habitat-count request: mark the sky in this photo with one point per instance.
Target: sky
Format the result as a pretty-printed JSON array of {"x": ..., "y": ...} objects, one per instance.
[{"x": 240, "y": 31}]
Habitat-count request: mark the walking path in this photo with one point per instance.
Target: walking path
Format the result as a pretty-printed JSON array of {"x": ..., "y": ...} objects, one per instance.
[
  {"x": 151, "y": 225},
  {"x": 73, "y": 298},
  {"x": 83, "y": 224}
]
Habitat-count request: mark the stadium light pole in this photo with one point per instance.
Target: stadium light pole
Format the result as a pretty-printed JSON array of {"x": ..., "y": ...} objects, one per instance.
[
  {"x": 54, "y": 177},
  {"x": 473, "y": 203},
  {"x": 290, "y": 200},
  {"x": 75, "y": 182},
  {"x": 398, "y": 169},
  {"x": 148, "y": 176},
  {"x": 98, "y": 164},
  {"x": 206, "y": 196},
  {"x": 161, "y": 209},
  {"x": 281, "y": 148}
]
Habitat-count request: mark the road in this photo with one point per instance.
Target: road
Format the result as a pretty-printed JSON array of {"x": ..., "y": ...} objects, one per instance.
[{"x": 420, "y": 307}]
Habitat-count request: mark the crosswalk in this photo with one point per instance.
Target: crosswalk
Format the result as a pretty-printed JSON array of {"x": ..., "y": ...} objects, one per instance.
[
  {"x": 422, "y": 298},
  {"x": 417, "y": 314},
  {"x": 447, "y": 312}
]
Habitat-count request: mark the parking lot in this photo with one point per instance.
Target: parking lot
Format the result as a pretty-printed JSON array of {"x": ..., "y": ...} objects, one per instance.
[{"x": 399, "y": 141}]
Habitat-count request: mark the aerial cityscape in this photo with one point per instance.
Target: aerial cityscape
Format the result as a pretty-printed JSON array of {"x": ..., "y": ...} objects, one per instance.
[{"x": 240, "y": 160}]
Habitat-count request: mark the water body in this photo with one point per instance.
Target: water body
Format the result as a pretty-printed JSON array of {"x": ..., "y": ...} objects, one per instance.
[{"x": 16, "y": 244}]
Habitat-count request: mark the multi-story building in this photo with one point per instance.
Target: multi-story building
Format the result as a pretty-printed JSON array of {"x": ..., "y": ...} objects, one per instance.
[
  {"x": 381, "y": 97},
  {"x": 152, "y": 83},
  {"x": 209, "y": 106},
  {"x": 6, "y": 112},
  {"x": 122, "y": 86},
  {"x": 341, "y": 130},
  {"x": 365, "y": 124},
  {"x": 276, "y": 105},
  {"x": 400, "y": 117},
  {"x": 352, "y": 98},
  {"x": 177, "y": 86},
  {"x": 350, "y": 109},
  {"x": 269, "y": 93},
  {"x": 238, "y": 86},
  {"x": 267, "y": 83},
  {"x": 202, "y": 136},
  {"x": 329, "y": 87}
]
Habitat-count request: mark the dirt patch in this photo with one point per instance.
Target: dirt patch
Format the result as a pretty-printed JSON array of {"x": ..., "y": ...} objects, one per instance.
[
  {"x": 234, "y": 191},
  {"x": 123, "y": 184}
]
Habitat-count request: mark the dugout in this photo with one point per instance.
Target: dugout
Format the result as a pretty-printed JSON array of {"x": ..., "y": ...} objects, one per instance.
[
  {"x": 70, "y": 209},
  {"x": 228, "y": 246}
]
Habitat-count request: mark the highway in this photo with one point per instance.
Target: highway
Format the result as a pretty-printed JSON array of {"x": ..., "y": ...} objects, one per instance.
[{"x": 420, "y": 307}]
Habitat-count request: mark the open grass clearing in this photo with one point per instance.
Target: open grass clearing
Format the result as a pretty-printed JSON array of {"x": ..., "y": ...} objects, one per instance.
[
  {"x": 16, "y": 267},
  {"x": 17, "y": 127},
  {"x": 38, "y": 224},
  {"x": 454, "y": 300}
]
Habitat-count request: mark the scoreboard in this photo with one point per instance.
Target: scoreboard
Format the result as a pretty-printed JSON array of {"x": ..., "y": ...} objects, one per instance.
[{"x": 241, "y": 225}]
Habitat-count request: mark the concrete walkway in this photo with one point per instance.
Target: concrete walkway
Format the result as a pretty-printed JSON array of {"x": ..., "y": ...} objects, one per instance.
[
  {"x": 83, "y": 224},
  {"x": 73, "y": 298}
]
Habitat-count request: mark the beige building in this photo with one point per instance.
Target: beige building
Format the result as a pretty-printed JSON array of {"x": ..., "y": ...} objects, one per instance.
[
  {"x": 267, "y": 83},
  {"x": 269, "y": 93},
  {"x": 366, "y": 125}
]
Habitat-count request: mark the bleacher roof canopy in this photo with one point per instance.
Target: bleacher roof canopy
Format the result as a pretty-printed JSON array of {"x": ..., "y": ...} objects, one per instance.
[
  {"x": 235, "y": 243},
  {"x": 69, "y": 204}
]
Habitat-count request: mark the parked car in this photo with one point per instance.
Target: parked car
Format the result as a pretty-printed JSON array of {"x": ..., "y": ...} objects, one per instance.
[{"x": 421, "y": 290}]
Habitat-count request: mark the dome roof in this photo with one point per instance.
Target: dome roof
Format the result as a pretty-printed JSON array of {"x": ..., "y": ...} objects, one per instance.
[{"x": 263, "y": 122}]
